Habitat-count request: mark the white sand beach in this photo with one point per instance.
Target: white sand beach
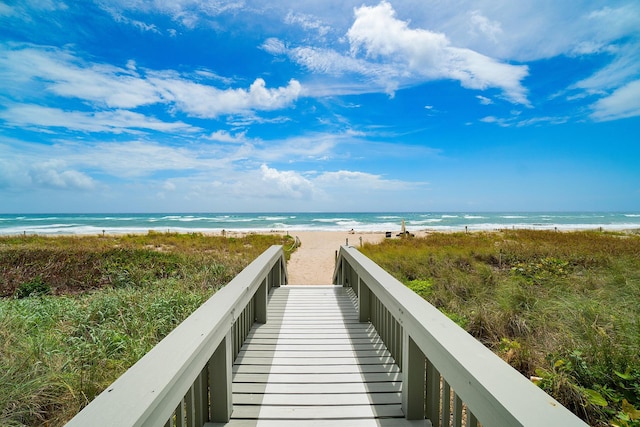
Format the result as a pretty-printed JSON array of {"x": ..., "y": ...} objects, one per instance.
[{"x": 313, "y": 262}]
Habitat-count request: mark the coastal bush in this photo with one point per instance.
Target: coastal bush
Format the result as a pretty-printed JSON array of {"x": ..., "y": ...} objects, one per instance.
[
  {"x": 72, "y": 264},
  {"x": 117, "y": 297},
  {"x": 558, "y": 306},
  {"x": 33, "y": 287}
]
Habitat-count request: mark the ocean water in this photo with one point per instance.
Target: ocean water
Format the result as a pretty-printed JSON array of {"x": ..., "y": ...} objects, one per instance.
[{"x": 58, "y": 224}]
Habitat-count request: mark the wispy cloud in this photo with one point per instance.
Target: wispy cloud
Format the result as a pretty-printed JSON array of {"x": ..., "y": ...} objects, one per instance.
[
  {"x": 28, "y": 70},
  {"x": 188, "y": 13},
  {"x": 622, "y": 103},
  {"x": 484, "y": 100},
  {"x": 225, "y": 136},
  {"x": 480, "y": 24},
  {"x": 307, "y": 22},
  {"x": 516, "y": 121},
  {"x": 116, "y": 121}
]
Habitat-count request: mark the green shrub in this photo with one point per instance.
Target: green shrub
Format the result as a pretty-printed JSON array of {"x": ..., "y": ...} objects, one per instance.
[{"x": 34, "y": 287}]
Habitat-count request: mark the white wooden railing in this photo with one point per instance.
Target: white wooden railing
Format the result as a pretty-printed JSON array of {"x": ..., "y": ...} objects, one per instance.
[
  {"x": 446, "y": 372},
  {"x": 185, "y": 380}
]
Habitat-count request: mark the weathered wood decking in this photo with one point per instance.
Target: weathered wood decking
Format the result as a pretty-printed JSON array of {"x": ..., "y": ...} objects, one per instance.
[{"x": 314, "y": 363}]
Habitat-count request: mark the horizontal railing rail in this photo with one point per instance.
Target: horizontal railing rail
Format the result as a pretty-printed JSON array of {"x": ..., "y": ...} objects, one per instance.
[
  {"x": 185, "y": 380},
  {"x": 446, "y": 372}
]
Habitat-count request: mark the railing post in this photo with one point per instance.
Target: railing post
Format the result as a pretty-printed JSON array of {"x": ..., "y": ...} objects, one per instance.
[
  {"x": 220, "y": 381},
  {"x": 413, "y": 379},
  {"x": 261, "y": 302},
  {"x": 433, "y": 394},
  {"x": 364, "y": 310},
  {"x": 457, "y": 411},
  {"x": 280, "y": 275}
]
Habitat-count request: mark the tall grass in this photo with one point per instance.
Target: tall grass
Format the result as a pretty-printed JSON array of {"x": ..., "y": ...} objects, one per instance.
[
  {"x": 563, "y": 308},
  {"x": 97, "y": 306}
]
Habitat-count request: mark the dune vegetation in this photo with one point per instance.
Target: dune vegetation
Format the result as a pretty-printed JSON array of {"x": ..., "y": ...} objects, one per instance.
[
  {"x": 563, "y": 308},
  {"x": 76, "y": 312}
]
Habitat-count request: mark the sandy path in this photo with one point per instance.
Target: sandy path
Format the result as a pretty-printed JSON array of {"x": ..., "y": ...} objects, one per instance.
[{"x": 313, "y": 263}]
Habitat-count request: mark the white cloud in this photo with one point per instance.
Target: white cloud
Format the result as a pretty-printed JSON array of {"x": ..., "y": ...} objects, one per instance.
[
  {"x": 61, "y": 73},
  {"x": 274, "y": 46},
  {"x": 429, "y": 55},
  {"x": 516, "y": 121},
  {"x": 209, "y": 102},
  {"x": 483, "y": 25},
  {"x": 527, "y": 30},
  {"x": 143, "y": 158},
  {"x": 117, "y": 121},
  {"x": 28, "y": 70},
  {"x": 285, "y": 184},
  {"x": 622, "y": 103},
  {"x": 47, "y": 175},
  {"x": 126, "y": 159},
  {"x": 307, "y": 22},
  {"x": 362, "y": 181},
  {"x": 6, "y": 10},
  {"x": 484, "y": 100},
  {"x": 187, "y": 12},
  {"x": 224, "y": 136},
  {"x": 624, "y": 67},
  {"x": 496, "y": 120},
  {"x": 33, "y": 166},
  {"x": 328, "y": 61}
]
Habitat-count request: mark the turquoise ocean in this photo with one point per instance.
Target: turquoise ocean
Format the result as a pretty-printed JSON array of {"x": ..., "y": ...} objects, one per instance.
[{"x": 59, "y": 224}]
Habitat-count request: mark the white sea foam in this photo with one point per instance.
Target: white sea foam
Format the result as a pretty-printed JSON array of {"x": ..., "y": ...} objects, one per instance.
[
  {"x": 348, "y": 223},
  {"x": 425, "y": 221},
  {"x": 334, "y": 220},
  {"x": 49, "y": 218}
]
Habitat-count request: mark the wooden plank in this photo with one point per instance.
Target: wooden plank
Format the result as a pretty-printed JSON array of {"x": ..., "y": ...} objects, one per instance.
[
  {"x": 327, "y": 348},
  {"x": 314, "y": 369},
  {"x": 295, "y": 361},
  {"x": 317, "y": 411},
  {"x": 384, "y": 387},
  {"x": 302, "y": 354},
  {"x": 312, "y": 328},
  {"x": 381, "y": 422},
  {"x": 288, "y": 399},
  {"x": 312, "y": 340},
  {"x": 316, "y": 378}
]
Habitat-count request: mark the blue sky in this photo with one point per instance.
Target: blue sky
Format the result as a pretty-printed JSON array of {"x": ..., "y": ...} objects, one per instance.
[{"x": 298, "y": 105}]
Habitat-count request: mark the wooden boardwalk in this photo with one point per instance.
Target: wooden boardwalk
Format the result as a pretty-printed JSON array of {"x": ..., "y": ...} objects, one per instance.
[{"x": 313, "y": 363}]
